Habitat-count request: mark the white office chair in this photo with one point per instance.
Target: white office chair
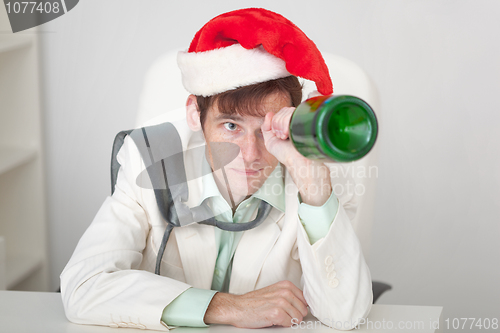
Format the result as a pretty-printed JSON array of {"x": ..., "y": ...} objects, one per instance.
[{"x": 163, "y": 93}]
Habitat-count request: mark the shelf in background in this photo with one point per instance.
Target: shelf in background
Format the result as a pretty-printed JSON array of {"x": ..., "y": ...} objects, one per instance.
[
  {"x": 11, "y": 43},
  {"x": 19, "y": 268},
  {"x": 12, "y": 157}
]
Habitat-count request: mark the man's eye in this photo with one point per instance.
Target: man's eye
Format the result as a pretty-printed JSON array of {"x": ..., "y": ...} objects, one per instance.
[{"x": 230, "y": 126}]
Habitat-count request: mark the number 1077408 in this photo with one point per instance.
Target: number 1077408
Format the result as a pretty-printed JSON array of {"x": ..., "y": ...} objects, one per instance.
[
  {"x": 471, "y": 323},
  {"x": 31, "y": 7}
]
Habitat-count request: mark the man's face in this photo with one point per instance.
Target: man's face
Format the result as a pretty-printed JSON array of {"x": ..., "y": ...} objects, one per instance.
[{"x": 250, "y": 169}]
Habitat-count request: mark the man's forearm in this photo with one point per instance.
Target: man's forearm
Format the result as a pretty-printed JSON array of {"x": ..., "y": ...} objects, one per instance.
[{"x": 312, "y": 179}]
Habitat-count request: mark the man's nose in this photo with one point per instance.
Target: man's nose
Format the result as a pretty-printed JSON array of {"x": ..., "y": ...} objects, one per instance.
[{"x": 251, "y": 148}]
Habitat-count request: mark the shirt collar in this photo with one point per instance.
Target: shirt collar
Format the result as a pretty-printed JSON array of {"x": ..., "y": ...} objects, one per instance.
[{"x": 273, "y": 191}]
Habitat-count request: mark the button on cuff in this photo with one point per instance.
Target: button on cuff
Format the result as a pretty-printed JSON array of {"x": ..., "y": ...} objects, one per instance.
[{"x": 333, "y": 283}]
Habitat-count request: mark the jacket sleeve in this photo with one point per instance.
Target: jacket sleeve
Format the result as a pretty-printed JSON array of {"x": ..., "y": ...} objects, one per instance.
[
  {"x": 336, "y": 280},
  {"x": 102, "y": 283}
]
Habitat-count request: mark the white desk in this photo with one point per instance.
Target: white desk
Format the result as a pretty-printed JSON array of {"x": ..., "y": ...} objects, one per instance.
[{"x": 28, "y": 312}]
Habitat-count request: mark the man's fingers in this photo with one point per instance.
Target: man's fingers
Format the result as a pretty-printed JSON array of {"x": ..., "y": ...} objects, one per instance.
[
  {"x": 281, "y": 122},
  {"x": 300, "y": 295},
  {"x": 300, "y": 306},
  {"x": 277, "y": 304},
  {"x": 292, "y": 312},
  {"x": 283, "y": 313},
  {"x": 267, "y": 125},
  {"x": 287, "y": 115},
  {"x": 296, "y": 291},
  {"x": 295, "y": 297},
  {"x": 278, "y": 123},
  {"x": 287, "y": 290}
]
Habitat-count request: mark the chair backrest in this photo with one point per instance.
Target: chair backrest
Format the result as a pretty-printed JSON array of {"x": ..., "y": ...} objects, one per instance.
[
  {"x": 163, "y": 91},
  {"x": 354, "y": 183}
]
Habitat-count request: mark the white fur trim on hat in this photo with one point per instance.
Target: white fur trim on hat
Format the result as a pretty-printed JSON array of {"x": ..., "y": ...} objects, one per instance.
[{"x": 213, "y": 72}]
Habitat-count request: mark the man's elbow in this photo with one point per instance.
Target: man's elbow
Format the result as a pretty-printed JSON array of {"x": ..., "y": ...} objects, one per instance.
[
  {"x": 76, "y": 297},
  {"x": 346, "y": 317},
  {"x": 343, "y": 310}
]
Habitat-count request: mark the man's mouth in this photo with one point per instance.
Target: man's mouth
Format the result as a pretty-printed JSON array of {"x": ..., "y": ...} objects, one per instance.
[{"x": 248, "y": 172}]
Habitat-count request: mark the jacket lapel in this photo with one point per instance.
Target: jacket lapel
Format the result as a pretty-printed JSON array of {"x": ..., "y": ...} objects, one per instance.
[
  {"x": 251, "y": 252},
  {"x": 198, "y": 254}
]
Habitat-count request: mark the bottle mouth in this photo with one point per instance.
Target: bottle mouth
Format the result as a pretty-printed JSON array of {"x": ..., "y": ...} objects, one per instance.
[{"x": 349, "y": 131}]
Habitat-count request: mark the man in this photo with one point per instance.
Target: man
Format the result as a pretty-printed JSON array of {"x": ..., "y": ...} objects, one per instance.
[{"x": 305, "y": 254}]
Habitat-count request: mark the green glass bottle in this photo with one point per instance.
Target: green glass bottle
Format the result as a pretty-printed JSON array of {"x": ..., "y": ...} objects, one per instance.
[{"x": 340, "y": 128}]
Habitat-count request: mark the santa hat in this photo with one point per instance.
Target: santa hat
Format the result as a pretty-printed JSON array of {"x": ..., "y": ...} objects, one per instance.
[{"x": 248, "y": 46}]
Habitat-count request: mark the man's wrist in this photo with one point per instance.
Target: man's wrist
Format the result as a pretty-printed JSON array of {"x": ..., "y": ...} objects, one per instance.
[
  {"x": 221, "y": 309},
  {"x": 312, "y": 179}
]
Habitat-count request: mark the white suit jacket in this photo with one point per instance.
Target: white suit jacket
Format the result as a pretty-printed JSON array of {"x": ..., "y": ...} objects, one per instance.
[{"x": 110, "y": 278}]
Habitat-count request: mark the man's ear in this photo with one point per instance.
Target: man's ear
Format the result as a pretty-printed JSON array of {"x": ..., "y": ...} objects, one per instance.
[{"x": 193, "y": 114}]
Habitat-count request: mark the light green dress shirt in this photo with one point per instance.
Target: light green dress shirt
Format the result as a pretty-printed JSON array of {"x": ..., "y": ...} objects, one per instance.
[{"x": 189, "y": 308}]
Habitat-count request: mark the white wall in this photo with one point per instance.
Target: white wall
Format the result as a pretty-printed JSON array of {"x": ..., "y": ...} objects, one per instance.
[{"x": 436, "y": 64}]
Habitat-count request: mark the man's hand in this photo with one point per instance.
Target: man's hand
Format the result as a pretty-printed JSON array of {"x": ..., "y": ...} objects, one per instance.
[
  {"x": 275, "y": 305},
  {"x": 276, "y": 130},
  {"x": 311, "y": 177}
]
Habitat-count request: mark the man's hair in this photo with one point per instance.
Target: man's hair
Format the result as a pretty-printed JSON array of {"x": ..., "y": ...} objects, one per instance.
[{"x": 246, "y": 100}]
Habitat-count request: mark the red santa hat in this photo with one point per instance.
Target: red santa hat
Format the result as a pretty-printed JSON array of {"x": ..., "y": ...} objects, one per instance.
[{"x": 248, "y": 46}]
